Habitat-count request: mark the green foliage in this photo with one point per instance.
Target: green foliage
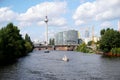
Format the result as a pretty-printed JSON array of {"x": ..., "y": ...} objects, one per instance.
[
  {"x": 102, "y": 32},
  {"x": 110, "y": 39},
  {"x": 90, "y": 43},
  {"x": 83, "y": 48},
  {"x": 28, "y": 43},
  {"x": 28, "y": 46},
  {"x": 115, "y": 50},
  {"x": 52, "y": 41},
  {"x": 12, "y": 45},
  {"x": 27, "y": 38}
]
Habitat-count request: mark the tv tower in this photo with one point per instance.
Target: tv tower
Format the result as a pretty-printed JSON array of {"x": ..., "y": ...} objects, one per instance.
[{"x": 46, "y": 21}]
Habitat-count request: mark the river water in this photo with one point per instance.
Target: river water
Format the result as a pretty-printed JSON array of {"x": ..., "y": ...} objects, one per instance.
[{"x": 49, "y": 66}]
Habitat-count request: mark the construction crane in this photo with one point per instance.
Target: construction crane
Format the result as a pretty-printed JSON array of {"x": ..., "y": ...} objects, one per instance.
[{"x": 93, "y": 37}]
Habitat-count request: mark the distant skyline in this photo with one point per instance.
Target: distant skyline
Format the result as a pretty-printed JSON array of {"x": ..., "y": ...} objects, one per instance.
[{"x": 63, "y": 15}]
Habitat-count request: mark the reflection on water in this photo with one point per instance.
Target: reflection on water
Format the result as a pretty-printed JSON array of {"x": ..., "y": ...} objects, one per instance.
[{"x": 49, "y": 66}]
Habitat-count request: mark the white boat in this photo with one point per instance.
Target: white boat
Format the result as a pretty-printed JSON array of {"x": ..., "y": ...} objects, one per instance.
[{"x": 65, "y": 58}]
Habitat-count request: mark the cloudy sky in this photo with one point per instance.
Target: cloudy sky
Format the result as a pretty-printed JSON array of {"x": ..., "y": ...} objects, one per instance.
[{"x": 63, "y": 15}]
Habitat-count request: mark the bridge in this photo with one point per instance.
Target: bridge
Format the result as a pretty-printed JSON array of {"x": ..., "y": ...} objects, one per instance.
[{"x": 56, "y": 47}]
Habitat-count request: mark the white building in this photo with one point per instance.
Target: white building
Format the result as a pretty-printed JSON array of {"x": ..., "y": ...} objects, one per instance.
[{"x": 95, "y": 39}]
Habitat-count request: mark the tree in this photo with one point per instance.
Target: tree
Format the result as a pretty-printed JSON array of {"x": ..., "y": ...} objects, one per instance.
[
  {"x": 28, "y": 43},
  {"x": 51, "y": 41},
  {"x": 83, "y": 48},
  {"x": 90, "y": 43},
  {"x": 110, "y": 39},
  {"x": 102, "y": 32},
  {"x": 27, "y": 38},
  {"x": 12, "y": 45}
]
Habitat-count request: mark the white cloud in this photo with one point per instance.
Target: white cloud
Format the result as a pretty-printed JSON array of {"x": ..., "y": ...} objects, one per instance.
[
  {"x": 24, "y": 23},
  {"x": 79, "y": 22},
  {"x": 84, "y": 11},
  {"x": 37, "y": 13},
  {"x": 60, "y": 21},
  {"x": 99, "y": 10},
  {"x": 55, "y": 21},
  {"x": 108, "y": 11},
  {"x": 7, "y": 15},
  {"x": 51, "y": 33},
  {"x": 106, "y": 24},
  {"x": 41, "y": 23}
]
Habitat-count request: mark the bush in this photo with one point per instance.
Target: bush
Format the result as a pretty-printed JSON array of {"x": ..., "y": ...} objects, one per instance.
[
  {"x": 115, "y": 51},
  {"x": 83, "y": 48}
]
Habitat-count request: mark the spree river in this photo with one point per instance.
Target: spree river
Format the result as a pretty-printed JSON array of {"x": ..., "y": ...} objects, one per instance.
[{"x": 49, "y": 66}]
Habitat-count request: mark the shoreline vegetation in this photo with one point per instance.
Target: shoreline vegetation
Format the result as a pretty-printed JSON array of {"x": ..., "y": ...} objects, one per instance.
[
  {"x": 108, "y": 45},
  {"x": 13, "y": 45},
  {"x": 109, "y": 54}
]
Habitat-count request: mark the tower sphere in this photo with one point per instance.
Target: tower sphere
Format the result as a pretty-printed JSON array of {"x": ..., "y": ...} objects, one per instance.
[{"x": 46, "y": 20}]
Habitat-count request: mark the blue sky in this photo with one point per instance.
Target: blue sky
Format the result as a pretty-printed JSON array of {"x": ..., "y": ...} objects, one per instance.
[{"x": 63, "y": 15}]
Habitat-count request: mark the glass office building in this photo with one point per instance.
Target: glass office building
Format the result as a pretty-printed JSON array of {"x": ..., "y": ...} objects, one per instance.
[
  {"x": 66, "y": 38},
  {"x": 59, "y": 38}
]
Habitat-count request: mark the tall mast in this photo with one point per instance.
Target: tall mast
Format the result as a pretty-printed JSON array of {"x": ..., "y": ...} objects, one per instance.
[{"x": 46, "y": 21}]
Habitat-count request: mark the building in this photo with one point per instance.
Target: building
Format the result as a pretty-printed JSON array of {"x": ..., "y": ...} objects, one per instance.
[
  {"x": 59, "y": 38},
  {"x": 86, "y": 40},
  {"x": 87, "y": 34},
  {"x": 80, "y": 41},
  {"x": 69, "y": 37},
  {"x": 95, "y": 39}
]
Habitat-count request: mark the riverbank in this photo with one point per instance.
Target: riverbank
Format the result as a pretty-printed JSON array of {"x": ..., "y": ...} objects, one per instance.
[{"x": 110, "y": 54}]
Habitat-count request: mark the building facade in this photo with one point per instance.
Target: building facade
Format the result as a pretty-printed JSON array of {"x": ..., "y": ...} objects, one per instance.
[
  {"x": 66, "y": 38},
  {"x": 95, "y": 39}
]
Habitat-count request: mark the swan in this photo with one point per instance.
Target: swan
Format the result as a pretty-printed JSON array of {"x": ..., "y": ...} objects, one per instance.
[{"x": 65, "y": 58}]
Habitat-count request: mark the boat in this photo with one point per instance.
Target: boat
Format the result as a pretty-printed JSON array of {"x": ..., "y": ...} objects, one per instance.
[
  {"x": 46, "y": 51},
  {"x": 65, "y": 58}
]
